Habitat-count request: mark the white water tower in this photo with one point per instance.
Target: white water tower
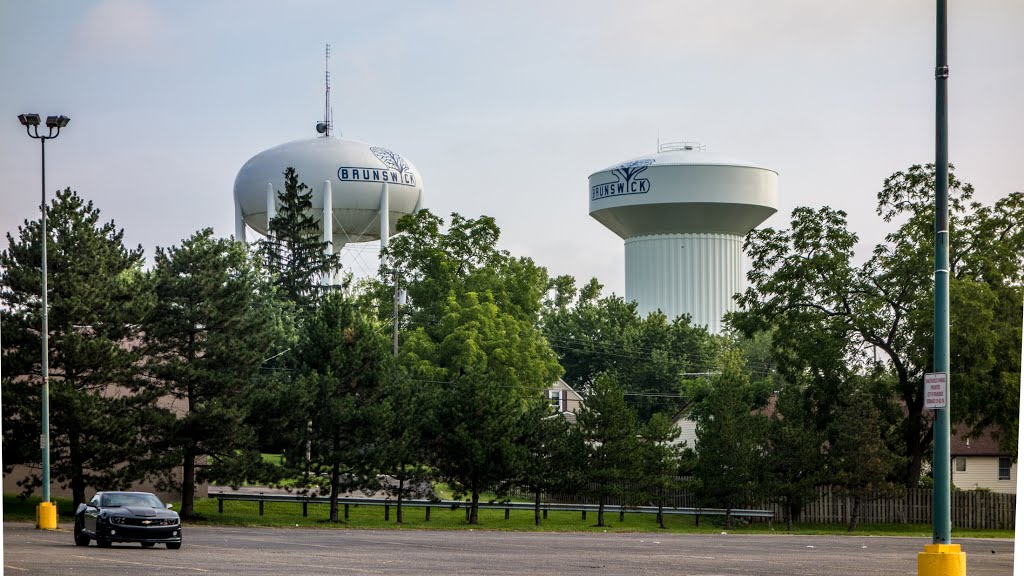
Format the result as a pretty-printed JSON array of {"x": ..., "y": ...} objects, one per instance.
[
  {"x": 683, "y": 213},
  {"x": 359, "y": 191}
]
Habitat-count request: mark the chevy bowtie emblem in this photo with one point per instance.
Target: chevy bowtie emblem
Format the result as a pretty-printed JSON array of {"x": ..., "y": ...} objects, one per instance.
[{"x": 147, "y": 521}]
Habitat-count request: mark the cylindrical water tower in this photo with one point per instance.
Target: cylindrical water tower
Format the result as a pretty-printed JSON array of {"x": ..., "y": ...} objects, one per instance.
[
  {"x": 683, "y": 214},
  {"x": 359, "y": 191}
]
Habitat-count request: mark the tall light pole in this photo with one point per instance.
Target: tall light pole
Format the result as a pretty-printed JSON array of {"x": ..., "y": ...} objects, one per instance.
[
  {"x": 941, "y": 501},
  {"x": 54, "y": 124},
  {"x": 941, "y": 558}
]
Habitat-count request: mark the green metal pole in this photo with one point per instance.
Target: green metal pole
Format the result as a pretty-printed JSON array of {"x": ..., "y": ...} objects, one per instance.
[
  {"x": 941, "y": 525},
  {"x": 45, "y": 439}
]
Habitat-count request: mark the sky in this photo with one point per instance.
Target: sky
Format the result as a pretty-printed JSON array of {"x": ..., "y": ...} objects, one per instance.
[{"x": 505, "y": 107}]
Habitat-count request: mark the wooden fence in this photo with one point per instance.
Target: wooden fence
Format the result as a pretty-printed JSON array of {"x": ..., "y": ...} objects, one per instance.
[{"x": 984, "y": 510}]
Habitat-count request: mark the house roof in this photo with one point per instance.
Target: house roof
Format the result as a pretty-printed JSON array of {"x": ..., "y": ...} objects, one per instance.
[
  {"x": 561, "y": 384},
  {"x": 987, "y": 444}
]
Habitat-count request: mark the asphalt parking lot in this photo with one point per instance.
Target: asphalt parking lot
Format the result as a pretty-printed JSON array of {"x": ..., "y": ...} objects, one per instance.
[{"x": 308, "y": 552}]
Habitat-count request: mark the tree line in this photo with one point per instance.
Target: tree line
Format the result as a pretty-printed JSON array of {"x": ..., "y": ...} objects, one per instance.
[{"x": 219, "y": 352}]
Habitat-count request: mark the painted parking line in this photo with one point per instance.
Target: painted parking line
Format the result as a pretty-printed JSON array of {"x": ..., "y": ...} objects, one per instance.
[{"x": 149, "y": 565}]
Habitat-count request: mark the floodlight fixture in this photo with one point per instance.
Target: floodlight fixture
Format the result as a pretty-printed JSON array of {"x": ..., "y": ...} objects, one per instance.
[
  {"x": 57, "y": 121},
  {"x": 29, "y": 119}
]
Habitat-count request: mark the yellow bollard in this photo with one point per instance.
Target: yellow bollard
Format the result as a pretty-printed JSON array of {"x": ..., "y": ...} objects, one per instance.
[
  {"x": 942, "y": 560},
  {"x": 46, "y": 516}
]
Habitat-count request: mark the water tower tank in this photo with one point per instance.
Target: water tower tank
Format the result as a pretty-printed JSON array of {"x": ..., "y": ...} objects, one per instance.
[
  {"x": 359, "y": 191},
  {"x": 683, "y": 213}
]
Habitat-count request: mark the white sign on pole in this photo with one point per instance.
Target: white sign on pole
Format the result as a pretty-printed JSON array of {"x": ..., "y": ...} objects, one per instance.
[{"x": 936, "y": 390}]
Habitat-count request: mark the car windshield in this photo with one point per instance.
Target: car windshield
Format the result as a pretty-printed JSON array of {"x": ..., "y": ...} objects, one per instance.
[{"x": 130, "y": 499}]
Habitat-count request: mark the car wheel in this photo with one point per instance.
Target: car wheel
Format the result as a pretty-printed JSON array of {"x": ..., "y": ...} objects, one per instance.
[
  {"x": 103, "y": 543},
  {"x": 148, "y": 544},
  {"x": 173, "y": 545},
  {"x": 80, "y": 538}
]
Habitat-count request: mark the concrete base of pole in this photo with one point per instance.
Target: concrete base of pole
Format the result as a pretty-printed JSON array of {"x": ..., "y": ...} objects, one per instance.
[
  {"x": 942, "y": 560},
  {"x": 46, "y": 516}
]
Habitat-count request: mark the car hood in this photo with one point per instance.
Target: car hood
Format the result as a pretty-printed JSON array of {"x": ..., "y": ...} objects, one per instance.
[{"x": 144, "y": 512}]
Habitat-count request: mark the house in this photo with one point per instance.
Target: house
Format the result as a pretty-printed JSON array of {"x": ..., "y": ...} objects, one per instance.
[
  {"x": 565, "y": 400},
  {"x": 687, "y": 427},
  {"x": 979, "y": 463},
  {"x": 683, "y": 420}
]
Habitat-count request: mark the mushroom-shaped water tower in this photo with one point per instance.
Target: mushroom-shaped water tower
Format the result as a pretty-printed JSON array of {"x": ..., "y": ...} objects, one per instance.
[
  {"x": 359, "y": 191},
  {"x": 683, "y": 214}
]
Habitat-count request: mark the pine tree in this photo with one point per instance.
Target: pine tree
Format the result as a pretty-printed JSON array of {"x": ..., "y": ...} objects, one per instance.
[
  {"x": 345, "y": 361},
  {"x": 859, "y": 458},
  {"x": 729, "y": 440},
  {"x": 407, "y": 420},
  {"x": 795, "y": 468},
  {"x": 609, "y": 428},
  {"x": 214, "y": 321},
  {"x": 294, "y": 249},
  {"x": 96, "y": 300},
  {"x": 660, "y": 458},
  {"x": 556, "y": 457}
]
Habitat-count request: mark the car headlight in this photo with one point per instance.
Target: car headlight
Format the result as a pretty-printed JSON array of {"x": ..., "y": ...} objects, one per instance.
[{"x": 116, "y": 520}]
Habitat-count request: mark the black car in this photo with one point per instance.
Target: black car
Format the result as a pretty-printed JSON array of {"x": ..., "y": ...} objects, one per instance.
[{"x": 127, "y": 517}]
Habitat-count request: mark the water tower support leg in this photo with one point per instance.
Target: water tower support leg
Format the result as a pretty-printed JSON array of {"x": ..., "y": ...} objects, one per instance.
[
  {"x": 239, "y": 222},
  {"x": 271, "y": 205},
  {"x": 328, "y": 221},
  {"x": 385, "y": 224}
]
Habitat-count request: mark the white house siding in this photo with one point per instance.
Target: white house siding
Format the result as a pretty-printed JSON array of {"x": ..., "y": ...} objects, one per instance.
[
  {"x": 566, "y": 399},
  {"x": 983, "y": 472},
  {"x": 687, "y": 432}
]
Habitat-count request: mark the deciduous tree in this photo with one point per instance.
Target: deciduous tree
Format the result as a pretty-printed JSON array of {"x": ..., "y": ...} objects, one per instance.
[
  {"x": 805, "y": 281},
  {"x": 490, "y": 366}
]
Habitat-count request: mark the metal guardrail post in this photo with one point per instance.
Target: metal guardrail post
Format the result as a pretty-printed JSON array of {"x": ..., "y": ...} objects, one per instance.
[
  {"x": 305, "y": 509},
  {"x": 346, "y": 511},
  {"x": 427, "y": 519},
  {"x": 220, "y": 505},
  {"x": 261, "y": 507},
  {"x": 387, "y": 512},
  {"x": 506, "y": 513}
]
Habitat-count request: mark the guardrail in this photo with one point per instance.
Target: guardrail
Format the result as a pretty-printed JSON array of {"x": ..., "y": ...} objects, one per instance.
[{"x": 387, "y": 503}]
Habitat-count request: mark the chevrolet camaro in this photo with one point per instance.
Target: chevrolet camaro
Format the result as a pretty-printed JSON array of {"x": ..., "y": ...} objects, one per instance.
[{"x": 127, "y": 517}]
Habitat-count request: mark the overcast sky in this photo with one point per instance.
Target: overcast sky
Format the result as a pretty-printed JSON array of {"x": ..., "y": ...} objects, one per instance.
[{"x": 504, "y": 107}]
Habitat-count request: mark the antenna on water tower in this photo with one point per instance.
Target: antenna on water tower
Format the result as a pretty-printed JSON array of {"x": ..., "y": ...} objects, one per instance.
[{"x": 324, "y": 127}]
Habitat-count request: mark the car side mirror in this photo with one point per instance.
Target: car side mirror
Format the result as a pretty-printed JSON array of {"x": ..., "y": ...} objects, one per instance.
[{"x": 170, "y": 506}]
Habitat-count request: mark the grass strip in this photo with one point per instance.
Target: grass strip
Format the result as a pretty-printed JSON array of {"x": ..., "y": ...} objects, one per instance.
[{"x": 289, "y": 514}]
